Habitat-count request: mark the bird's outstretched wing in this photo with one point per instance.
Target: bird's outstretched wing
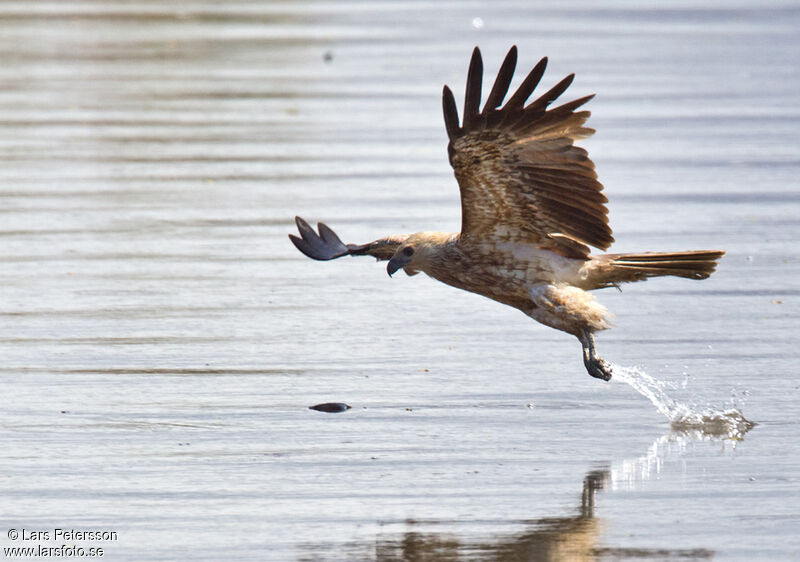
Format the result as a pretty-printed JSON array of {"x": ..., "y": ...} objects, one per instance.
[
  {"x": 327, "y": 246},
  {"x": 521, "y": 177}
]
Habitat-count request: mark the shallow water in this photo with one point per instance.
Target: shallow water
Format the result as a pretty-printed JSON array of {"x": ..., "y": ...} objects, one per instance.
[
  {"x": 162, "y": 341},
  {"x": 727, "y": 422}
]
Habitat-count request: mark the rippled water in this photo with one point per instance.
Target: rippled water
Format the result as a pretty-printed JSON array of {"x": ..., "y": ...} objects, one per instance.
[{"x": 162, "y": 341}]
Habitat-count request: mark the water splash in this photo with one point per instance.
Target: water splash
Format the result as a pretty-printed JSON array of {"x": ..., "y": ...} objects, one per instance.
[{"x": 726, "y": 423}]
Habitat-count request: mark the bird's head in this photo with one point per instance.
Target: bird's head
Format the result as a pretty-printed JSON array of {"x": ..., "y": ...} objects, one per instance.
[{"x": 417, "y": 252}]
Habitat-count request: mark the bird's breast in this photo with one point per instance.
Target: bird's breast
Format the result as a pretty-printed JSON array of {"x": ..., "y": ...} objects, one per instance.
[{"x": 505, "y": 272}]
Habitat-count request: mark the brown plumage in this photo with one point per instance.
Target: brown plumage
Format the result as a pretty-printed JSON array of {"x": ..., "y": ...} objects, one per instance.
[{"x": 531, "y": 206}]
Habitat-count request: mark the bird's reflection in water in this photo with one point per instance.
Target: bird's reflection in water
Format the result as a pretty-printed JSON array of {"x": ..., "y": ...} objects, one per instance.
[
  {"x": 559, "y": 539},
  {"x": 574, "y": 538}
]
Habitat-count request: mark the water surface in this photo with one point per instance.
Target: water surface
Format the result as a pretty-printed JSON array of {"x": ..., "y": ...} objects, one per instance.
[{"x": 162, "y": 340}]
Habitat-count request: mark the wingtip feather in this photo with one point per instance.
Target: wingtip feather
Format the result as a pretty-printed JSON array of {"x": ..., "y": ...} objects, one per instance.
[
  {"x": 328, "y": 235},
  {"x": 472, "y": 95},
  {"x": 304, "y": 228},
  {"x": 502, "y": 82},
  {"x": 301, "y": 245},
  {"x": 528, "y": 85},
  {"x": 450, "y": 111}
]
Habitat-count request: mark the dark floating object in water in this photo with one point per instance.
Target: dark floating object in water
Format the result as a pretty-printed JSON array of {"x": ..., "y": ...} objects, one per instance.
[{"x": 330, "y": 407}]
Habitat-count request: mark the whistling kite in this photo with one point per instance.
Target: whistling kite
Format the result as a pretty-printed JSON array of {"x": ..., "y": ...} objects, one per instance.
[{"x": 530, "y": 207}]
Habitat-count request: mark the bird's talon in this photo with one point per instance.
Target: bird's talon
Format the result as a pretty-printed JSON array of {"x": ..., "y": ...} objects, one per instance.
[{"x": 599, "y": 369}]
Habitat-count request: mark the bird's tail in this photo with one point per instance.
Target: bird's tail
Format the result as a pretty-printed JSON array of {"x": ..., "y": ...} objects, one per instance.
[{"x": 610, "y": 269}]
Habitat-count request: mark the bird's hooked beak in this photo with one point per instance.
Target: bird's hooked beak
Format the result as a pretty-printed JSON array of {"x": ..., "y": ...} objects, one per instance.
[{"x": 396, "y": 263}]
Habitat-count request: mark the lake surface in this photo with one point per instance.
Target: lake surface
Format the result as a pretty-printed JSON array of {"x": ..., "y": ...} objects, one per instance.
[{"x": 162, "y": 340}]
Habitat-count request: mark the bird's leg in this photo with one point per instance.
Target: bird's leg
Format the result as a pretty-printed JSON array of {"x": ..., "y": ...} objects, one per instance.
[{"x": 597, "y": 367}]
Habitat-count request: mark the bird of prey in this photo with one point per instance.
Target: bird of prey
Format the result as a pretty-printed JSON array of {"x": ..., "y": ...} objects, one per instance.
[{"x": 531, "y": 206}]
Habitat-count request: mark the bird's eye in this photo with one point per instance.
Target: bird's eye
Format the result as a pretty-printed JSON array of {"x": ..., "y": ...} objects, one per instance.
[{"x": 409, "y": 251}]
